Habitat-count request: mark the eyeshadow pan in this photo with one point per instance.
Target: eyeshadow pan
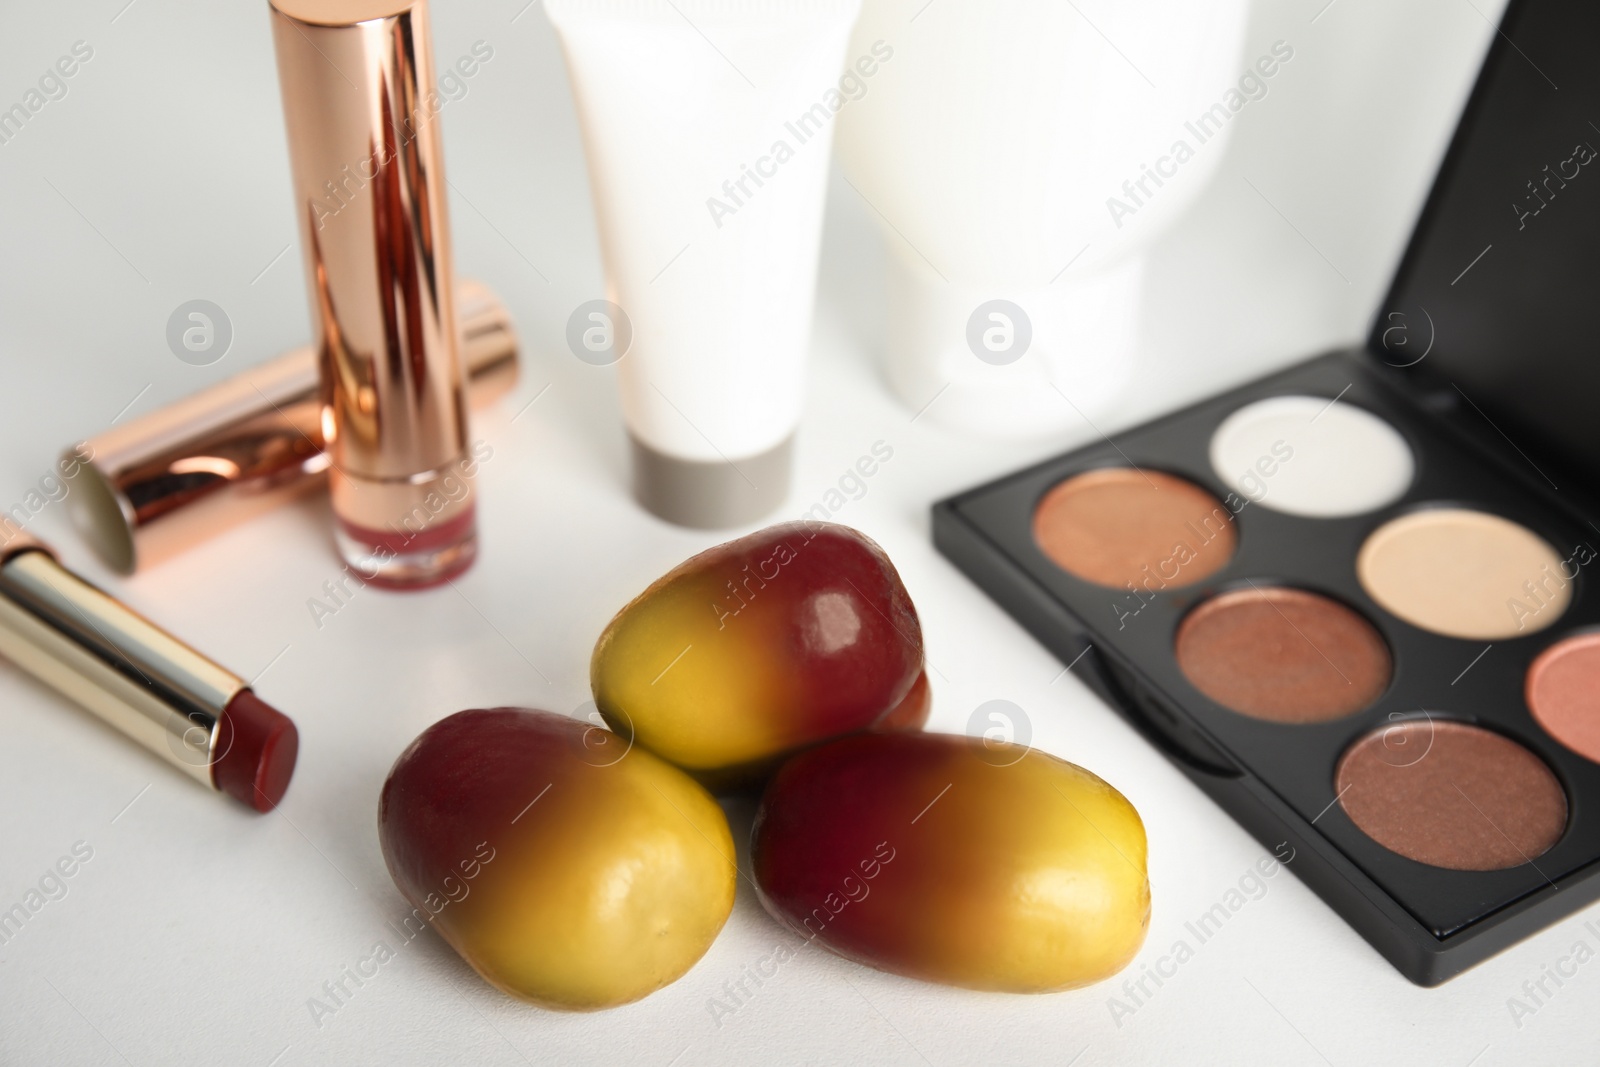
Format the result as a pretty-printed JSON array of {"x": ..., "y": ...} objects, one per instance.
[
  {"x": 1451, "y": 795},
  {"x": 1284, "y": 655},
  {"x": 1119, "y": 526},
  {"x": 1312, "y": 456},
  {"x": 1465, "y": 573},
  {"x": 1563, "y": 692}
]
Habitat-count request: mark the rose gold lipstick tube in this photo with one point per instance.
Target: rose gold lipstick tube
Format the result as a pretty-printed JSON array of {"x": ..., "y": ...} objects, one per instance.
[
  {"x": 146, "y": 490},
  {"x": 362, "y": 116}
]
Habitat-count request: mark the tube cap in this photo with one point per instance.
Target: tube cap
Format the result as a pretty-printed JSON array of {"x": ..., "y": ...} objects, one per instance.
[{"x": 708, "y": 496}]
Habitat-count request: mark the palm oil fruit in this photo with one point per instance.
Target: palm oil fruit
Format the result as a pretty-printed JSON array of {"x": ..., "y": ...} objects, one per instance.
[
  {"x": 953, "y": 860},
  {"x": 759, "y": 647},
  {"x": 566, "y": 866},
  {"x": 912, "y": 712}
]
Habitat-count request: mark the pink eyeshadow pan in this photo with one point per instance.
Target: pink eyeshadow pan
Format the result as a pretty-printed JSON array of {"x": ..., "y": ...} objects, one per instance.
[{"x": 1563, "y": 692}]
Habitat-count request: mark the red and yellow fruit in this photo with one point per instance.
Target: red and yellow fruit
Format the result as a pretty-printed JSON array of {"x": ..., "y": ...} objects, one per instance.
[
  {"x": 565, "y": 868},
  {"x": 913, "y": 710},
  {"x": 760, "y": 647},
  {"x": 940, "y": 858}
]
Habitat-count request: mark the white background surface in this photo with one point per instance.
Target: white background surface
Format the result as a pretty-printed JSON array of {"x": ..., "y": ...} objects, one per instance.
[{"x": 198, "y": 932}]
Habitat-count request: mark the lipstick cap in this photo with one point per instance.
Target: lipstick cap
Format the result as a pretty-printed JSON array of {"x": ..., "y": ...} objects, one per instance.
[{"x": 148, "y": 489}]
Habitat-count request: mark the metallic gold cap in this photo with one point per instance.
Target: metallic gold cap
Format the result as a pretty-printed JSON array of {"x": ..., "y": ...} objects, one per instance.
[{"x": 128, "y": 671}]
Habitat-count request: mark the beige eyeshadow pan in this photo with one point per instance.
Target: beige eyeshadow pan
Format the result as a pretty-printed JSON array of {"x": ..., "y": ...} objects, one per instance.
[
  {"x": 1465, "y": 573},
  {"x": 1122, "y": 526}
]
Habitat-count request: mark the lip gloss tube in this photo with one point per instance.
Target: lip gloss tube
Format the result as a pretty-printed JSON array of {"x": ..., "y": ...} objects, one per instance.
[
  {"x": 197, "y": 716},
  {"x": 361, "y": 112},
  {"x": 150, "y": 488}
]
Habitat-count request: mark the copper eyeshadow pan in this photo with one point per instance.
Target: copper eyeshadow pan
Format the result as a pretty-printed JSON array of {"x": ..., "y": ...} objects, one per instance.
[
  {"x": 1283, "y": 655},
  {"x": 1120, "y": 526}
]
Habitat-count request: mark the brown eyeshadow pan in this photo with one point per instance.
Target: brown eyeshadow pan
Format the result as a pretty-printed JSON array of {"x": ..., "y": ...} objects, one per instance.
[
  {"x": 1119, "y": 526},
  {"x": 1283, "y": 655},
  {"x": 1563, "y": 692},
  {"x": 1451, "y": 795}
]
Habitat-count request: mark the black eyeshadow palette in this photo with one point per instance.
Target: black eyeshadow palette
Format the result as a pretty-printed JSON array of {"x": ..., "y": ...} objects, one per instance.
[{"x": 1352, "y": 601}]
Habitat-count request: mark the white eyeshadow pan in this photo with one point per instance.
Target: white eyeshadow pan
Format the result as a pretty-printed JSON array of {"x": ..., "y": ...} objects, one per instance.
[{"x": 1307, "y": 455}]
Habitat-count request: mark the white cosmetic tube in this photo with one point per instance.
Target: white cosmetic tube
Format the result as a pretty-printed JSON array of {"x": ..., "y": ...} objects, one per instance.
[{"x": 708, "y": 126}]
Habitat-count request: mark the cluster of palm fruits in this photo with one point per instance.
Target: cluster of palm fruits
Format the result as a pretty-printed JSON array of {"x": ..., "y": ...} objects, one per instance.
[{"x": 791, "y": 661}]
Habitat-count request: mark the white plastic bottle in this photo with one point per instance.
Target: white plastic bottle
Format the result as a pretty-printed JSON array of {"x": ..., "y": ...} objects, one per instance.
[{"x": 1023, "y": 155}]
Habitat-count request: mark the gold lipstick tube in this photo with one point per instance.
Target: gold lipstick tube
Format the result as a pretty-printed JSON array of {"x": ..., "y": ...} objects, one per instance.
[
  {"x": 361, "y": 112},
  {"x": 148, "y": 489},
  {"x": 192, "y": 713}
]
